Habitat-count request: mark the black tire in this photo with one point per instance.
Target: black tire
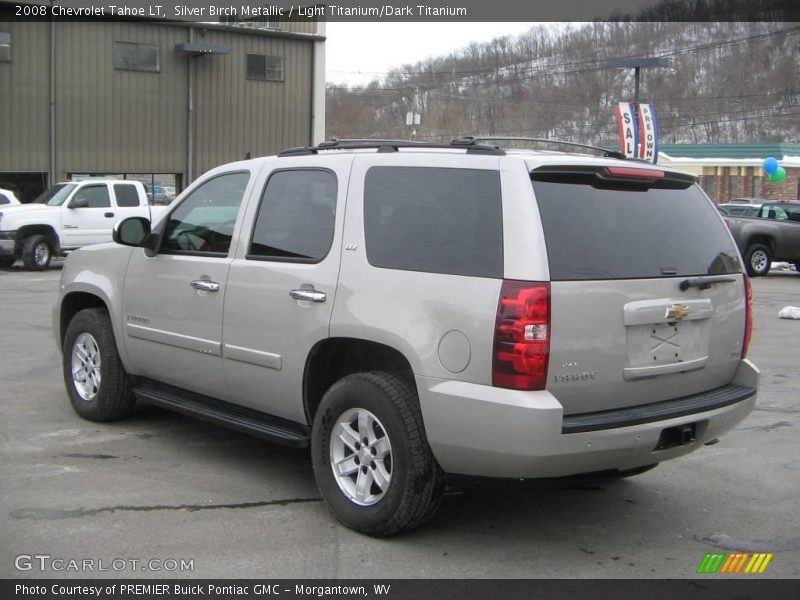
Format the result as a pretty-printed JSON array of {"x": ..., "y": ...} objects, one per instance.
[
  {"x": 417, "y": 482},
  {"x": 113, "y": 399},
  {"x": 757, "y": 260},
  {"x": 37, "y": 252},
  {"x": 796, "y": 266},
  {"x": 7, "y": 261}
]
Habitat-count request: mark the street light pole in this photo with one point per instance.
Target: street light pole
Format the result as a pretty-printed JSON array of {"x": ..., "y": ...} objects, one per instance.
[{"x": 637, "y": 64}]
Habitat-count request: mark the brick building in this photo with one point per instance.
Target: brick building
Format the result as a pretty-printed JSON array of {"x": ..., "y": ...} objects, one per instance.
[{"x": 734, "y": 170}]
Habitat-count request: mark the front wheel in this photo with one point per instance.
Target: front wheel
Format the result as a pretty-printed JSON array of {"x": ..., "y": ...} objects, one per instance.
[
  {"x": 757, "y": 260},
  {"x": 37, "y": 252},
  {"x": 96, "y": 381},
  {"x": 371, "y": 458}
]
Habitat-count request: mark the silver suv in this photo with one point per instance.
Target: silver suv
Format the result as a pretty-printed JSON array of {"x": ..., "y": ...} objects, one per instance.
[{"x": 409, "y": 310}]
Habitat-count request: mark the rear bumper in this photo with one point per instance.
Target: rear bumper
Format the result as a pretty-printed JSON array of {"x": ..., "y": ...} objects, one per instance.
[{"x": 492, "y": 432}]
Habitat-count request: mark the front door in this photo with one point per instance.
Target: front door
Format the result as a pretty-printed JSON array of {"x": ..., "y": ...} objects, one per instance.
[
  {"x": 93, "y": 222},
  {"x": 173, "y": 301}
]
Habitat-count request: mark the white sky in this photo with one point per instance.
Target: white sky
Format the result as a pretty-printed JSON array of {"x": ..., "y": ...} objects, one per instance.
[{"x": 356, "y": 53}]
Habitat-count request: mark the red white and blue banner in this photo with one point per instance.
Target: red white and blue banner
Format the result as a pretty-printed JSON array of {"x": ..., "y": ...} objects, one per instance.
[
  {"x": 648, "y": 133},
  {"x": 628, "y": 125}
]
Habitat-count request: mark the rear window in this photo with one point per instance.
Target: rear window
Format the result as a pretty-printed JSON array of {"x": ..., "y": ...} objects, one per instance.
[
  {"x": 631, "y": 233},
  {"x": 434, "y": 220}
]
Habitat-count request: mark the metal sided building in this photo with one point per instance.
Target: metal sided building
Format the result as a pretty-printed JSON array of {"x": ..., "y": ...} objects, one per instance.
[{"x": 157, "y": 101}]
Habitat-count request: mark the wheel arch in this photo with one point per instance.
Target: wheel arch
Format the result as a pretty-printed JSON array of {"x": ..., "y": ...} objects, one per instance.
[
  {"x": 333, "y": 358},
  {"x": 26, "y": 231},
  {"x": 71, "y": 304},
  {"x": 760, "y": 238}
]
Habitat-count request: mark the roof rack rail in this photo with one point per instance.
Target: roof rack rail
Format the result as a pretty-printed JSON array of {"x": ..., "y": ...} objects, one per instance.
[
  {"x": 471, "y": 146},
  {"x": 606, "y": 152}
]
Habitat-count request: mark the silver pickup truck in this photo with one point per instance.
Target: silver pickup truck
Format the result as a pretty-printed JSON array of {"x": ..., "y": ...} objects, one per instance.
[{"x": 773, "y": 234}]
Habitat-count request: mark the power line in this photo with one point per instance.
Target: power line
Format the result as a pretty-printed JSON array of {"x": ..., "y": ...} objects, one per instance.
[{"x": 591, "y": 64}]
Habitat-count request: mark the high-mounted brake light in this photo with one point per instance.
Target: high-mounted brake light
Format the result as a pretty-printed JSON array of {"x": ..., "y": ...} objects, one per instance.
[
  {"x": 748, "y": 319},
  {"x": 522, "y": 336},
  {"x": 632, "y": 173}
]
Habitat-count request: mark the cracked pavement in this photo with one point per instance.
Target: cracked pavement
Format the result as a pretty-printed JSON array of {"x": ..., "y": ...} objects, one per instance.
[{"x": 163, "y": 486}]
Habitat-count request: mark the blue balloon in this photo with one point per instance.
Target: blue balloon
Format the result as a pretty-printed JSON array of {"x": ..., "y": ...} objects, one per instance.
[{"x": 770, "y": 165}]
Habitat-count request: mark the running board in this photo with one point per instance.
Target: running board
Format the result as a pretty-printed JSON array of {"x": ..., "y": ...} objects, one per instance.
[{"x": 239, "y": 418}]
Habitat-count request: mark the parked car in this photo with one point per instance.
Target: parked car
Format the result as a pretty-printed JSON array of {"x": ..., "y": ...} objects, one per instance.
[
  {"x": 157, "y": 193},
  {"x": 409, "y": 310},
  {"x": 7, "y": 197},
  {"x": 68, "y": 216},
  {"x": 772, "y": 234}
]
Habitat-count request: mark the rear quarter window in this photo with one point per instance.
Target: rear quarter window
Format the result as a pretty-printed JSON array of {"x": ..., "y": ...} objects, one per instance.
[
  {"x": 435, "y": 220},
  {"x": 126, "y": 194},
  {"x": 593, "y": 233}
]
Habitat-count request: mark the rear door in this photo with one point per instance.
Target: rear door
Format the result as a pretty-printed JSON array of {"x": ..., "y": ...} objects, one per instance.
[
  {"x": 282, "y": 283},
  {"x": 627, "y": 326},
  {"x": 788, "y": 245},
  {"x": 128, "y": 202}
]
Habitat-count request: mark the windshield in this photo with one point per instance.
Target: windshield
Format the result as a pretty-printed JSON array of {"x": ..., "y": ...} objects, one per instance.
[{"x": 56, "y": 194}]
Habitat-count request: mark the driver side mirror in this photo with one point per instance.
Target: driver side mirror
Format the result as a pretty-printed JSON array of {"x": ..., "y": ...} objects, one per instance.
[
  {"x": 82, "y": 202},
  {"x": 135, "y": 231}
]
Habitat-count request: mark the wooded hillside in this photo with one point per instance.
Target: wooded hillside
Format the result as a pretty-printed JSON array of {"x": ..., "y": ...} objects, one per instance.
[{"x": 727, "y": 83}]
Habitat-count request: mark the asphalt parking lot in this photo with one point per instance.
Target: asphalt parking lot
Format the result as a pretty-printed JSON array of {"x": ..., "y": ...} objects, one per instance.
[{"x": 163, "y": 486}]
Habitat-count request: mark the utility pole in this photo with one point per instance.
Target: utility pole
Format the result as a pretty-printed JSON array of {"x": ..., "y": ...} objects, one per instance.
[{"x": 413, "y": 117}]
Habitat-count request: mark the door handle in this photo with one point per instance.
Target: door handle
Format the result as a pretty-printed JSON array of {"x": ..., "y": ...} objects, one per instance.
[
  {"x": 109, "y": 215},
  {"x": 205, "y": 285},
  {"x": 311, "y": 295}
]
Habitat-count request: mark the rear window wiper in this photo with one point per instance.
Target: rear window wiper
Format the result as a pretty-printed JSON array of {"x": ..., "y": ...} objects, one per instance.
[{"x": 703, "y": 283}]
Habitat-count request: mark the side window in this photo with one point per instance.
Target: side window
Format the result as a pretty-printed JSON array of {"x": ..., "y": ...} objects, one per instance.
[
  {"x": 4, "y": 199},
  {"x": 296, "y": 218},
  {"x": 434, "y": 220},
  {"x": 793, "y": 213},
  {"x": 779, "y": 214},
  {"x": 126, "y": 194},
  {"x": 95, "y": 195},
  {"x": 203, "y": 222}
]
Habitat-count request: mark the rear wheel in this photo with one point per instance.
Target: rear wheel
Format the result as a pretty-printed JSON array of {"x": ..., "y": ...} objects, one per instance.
[
  {"x": 37, "y": 252},
  {"x": 7, "y": 261},
  {"x": 96, "y": 381},
  {"x": 371, "y": 458},
  {"x": 757, "y": 260}
]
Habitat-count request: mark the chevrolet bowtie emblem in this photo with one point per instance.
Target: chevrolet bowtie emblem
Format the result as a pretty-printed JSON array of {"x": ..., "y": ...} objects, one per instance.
[{"x": 677, "y": 311}]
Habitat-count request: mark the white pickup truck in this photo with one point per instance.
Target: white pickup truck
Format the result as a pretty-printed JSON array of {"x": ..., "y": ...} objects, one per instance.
[{"x": 68, "y": 216}]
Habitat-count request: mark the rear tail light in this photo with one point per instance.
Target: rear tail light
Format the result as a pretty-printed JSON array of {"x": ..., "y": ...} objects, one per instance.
[
  {"x": 522, "y": 336},
  {"x": 748, "y": 322}
]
